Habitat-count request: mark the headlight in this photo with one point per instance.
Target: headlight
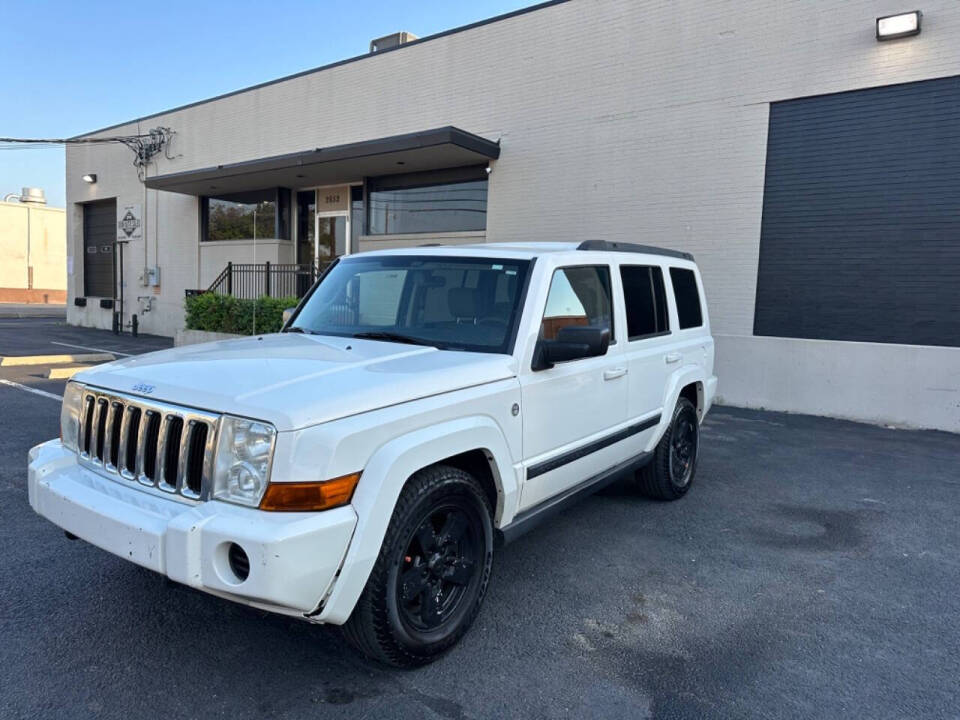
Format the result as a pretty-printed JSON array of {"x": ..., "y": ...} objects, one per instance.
[
  {"x": 70, "y": 415},
  {"x": 244, "y": 455}
]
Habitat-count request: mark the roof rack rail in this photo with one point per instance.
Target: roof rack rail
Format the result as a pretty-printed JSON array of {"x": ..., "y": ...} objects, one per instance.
[{"x": 607, "y": 246}]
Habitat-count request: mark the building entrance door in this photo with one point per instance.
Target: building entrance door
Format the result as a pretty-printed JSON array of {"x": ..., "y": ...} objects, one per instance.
[{"x": 323, "y": 227}]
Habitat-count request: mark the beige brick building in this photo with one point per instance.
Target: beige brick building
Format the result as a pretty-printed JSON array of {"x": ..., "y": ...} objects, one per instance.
[{"x": 688, "y": 124}]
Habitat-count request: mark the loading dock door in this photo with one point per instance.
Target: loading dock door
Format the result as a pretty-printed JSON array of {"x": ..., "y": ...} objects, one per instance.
[
  {"x": 860, "y": 238},
  {"x": 99, "y": 244}
]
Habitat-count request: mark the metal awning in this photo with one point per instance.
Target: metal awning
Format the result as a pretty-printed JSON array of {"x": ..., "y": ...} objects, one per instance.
[{"x": 445, "y": 147}]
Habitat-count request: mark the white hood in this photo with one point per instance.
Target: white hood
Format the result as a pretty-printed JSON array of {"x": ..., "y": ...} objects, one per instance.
[{"x": 295, "y": 380}]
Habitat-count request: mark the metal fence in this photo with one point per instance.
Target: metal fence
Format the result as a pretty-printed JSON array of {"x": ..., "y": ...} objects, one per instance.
[{"x": 253, "y": 280}]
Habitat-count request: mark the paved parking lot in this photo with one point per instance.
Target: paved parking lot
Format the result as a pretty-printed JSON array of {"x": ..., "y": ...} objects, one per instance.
[
  {"x": 811, "y": 572},
  {"x": 51, "y": 335}
]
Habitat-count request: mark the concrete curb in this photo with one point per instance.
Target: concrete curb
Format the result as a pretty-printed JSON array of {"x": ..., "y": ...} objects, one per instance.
[
  {"x": 65, "y": 373},
  {"x": 12, "y": 360}
]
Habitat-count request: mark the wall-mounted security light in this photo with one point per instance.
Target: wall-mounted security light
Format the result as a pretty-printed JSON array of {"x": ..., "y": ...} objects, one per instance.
[
  {"x": 892, "y": 27},
  {"x": 90, "y": 178}
]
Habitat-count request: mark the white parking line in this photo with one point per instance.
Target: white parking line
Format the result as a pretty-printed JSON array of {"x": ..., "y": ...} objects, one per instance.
[
  {"x": 84, "y": 347},
  {"x": 52, "y": 396}
]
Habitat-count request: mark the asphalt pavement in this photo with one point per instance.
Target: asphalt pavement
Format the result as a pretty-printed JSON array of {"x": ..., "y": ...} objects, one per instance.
[
  {"x": 52, "y": 336},
  {"x": 812, "y": 571}
]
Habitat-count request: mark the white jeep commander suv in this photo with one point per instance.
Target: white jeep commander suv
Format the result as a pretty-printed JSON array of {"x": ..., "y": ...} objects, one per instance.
[{"x": 419, "y": 408}]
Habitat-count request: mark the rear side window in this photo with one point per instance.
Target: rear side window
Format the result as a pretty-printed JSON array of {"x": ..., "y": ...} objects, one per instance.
[
  {"x": 645, "y": 300},
  {"x": 687, "y": 297}
]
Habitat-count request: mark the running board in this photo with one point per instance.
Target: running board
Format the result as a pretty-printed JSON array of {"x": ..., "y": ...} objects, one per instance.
[{"x": 529, "y": 519}]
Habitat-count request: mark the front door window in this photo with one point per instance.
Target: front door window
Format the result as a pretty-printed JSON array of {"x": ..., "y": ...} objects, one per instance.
[{"x": 331, "y": 239}]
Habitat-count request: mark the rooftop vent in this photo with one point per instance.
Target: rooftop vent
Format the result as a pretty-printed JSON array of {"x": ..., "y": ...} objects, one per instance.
[
  {"x": 33, "y": 195},
  {"x": 393, "y": 40}
]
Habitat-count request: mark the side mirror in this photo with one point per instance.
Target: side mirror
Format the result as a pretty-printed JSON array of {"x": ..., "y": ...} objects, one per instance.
[
  {"x": 571, "y": 343},
  {"x": 287, "y": 314}
]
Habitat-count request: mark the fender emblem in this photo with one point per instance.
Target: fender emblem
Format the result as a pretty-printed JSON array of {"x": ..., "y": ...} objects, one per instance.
[{"x": 143, "y": 388}]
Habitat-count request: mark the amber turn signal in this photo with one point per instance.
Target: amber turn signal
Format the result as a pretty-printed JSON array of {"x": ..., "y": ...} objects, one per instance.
[{"x": 307, "y": 496}]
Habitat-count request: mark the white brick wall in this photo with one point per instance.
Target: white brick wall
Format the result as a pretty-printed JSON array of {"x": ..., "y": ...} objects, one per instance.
[{"x": 619, "y": 119}]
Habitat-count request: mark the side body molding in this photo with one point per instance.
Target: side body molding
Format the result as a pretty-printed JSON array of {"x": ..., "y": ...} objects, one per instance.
[{"x": 384, "y": 477}]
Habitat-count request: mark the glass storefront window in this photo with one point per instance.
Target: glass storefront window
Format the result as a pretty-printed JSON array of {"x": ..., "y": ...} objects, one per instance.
[
  {"x": 356, "y": 216},
  {"x": 447, "y": 207},
  {"x": 232, "y": 217}
]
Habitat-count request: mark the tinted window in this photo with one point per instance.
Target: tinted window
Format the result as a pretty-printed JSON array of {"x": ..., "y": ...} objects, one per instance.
[
  {"x": 448, "y": 207},
  {"x": 687, "y": 297},
  {"x": 579, "y": 296},
  {"x": 645, "y": 300},
  {"x": 356, "y": 216}
]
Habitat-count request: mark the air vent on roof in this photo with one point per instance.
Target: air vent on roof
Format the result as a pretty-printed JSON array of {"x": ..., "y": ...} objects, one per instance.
[
  {"x": 391, "y": 41},
  {"x": 33, "y": 195}
]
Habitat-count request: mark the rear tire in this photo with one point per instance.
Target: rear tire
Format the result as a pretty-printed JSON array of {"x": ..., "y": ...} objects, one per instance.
[
  {"x": 669, "y": 475},
  {"x": 431, "y": 575}
]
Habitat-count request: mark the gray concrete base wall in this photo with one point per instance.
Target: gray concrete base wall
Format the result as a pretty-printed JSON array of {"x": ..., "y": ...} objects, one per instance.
[{"x": 902, "y": 385}]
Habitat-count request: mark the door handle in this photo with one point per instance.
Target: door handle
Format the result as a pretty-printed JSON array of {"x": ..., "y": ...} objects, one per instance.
[
  {"x": 614, "y": 373},
  {"x": 673, "y": 357}
]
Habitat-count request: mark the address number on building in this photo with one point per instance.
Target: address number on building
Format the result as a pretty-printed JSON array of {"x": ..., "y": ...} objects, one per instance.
[{"x": 333, "y": 199}]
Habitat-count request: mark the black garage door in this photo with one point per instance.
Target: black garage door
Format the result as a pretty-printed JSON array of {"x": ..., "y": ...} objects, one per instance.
[
  {"x": 99, "y": 239},
  {"x": 860, "y": 238}
]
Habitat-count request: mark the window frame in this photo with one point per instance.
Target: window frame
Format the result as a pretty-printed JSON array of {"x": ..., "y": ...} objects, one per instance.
[
  {"x": 612, "y": 296},
  {"x": 666, "y": 302}
]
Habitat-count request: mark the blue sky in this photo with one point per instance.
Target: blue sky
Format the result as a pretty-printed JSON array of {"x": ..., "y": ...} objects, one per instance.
[{"x": 70, "y": 67}]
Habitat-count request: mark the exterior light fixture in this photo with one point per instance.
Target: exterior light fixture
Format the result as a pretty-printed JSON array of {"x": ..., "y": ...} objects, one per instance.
[
  {"x": 90, "y": 178},
  {"x": 898, "y": 26}
]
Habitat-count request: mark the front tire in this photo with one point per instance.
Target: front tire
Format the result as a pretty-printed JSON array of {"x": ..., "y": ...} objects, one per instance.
[
  {"x": 670, "y": 473},
  {"x": 431, "y": 575}
]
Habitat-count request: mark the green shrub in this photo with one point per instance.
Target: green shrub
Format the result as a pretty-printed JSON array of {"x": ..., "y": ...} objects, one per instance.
[{"x": 227, "y": 314}]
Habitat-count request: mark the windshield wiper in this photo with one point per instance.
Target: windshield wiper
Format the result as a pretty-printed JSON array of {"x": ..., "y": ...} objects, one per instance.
[
  {"x": 391, "y": 337},
  {"x": 300, "y": 330}
]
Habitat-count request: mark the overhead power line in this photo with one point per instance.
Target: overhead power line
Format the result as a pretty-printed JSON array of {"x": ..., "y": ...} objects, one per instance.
[{"x": 144, "y": 146}]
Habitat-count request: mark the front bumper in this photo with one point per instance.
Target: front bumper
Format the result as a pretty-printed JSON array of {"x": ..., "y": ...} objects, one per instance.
[{"x": 294, "y": 557}]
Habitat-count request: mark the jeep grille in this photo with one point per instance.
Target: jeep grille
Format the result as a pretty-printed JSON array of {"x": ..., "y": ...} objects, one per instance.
[{"x": 155, "y": 444}]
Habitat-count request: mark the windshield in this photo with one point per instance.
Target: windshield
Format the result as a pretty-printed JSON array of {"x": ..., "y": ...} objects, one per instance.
[{"x": 452, "y": 303}]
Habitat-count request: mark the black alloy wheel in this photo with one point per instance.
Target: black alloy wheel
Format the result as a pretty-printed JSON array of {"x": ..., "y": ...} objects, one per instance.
[
  {"x": 431, "y": 575},
  {"x": 442, "y": 556},
  {"x": 670, "y": 472},
  {"x": 683, "y": 447}
]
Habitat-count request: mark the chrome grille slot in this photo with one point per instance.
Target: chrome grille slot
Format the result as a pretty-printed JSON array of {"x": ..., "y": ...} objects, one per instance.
[
  {"x": 86, "y": 425},
  {"x": 129, "y": 435},
  {"x": 163, "y": 446},
  {"x": 169, "y": 452},
  {"x": 193, "y": 482},
  {"x": 148, "y": 460},
  {"x": 114, "y": 423},
  {"x": 99, "y": 425}
]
